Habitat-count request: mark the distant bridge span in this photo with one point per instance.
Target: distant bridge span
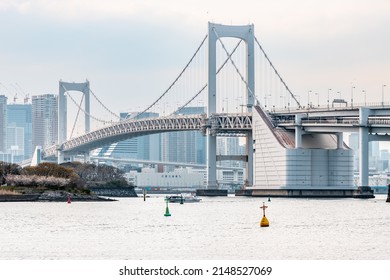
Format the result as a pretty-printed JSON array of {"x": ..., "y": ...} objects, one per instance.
[{"x": 218, "y": 124}]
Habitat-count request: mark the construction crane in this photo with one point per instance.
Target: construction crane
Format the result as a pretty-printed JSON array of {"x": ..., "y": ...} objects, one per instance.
[
  {"x": 26, "y": 95},
  {"x": 18, "y": 90}
]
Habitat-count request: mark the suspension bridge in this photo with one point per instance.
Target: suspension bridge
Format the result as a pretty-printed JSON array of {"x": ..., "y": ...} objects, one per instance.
[{"x": 294, "y": 148}]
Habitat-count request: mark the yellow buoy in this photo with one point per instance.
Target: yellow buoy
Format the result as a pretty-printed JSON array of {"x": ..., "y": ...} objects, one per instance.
[{"x": 264, "y": 221}]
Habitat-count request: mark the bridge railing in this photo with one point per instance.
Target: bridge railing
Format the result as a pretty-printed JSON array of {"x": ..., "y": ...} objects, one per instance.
[
  {"x": 313, "y": 107},
  {"x": 337, "y": 120}
]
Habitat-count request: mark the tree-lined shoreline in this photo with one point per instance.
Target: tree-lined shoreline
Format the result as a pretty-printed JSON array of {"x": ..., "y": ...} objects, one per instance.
[{"x": 54, "y": 182}]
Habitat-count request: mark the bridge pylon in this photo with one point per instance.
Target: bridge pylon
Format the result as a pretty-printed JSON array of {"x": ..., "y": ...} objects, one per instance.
[
  {"x": 62, "y": 111},
  {"x": 246, "y": 33}
]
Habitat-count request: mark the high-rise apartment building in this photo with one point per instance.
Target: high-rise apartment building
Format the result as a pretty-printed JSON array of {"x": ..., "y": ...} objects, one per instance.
[
  {"x": 19, "y": 134},
  {"x": 44, "y": 120},
  {"x": 3, "y": 123},
  {"x": 230, "y": 146},
  {"x": 184, "y": 146}
]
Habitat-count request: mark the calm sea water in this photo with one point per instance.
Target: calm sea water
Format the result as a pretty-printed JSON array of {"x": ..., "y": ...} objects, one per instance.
[{"x": 216, "y": 228}]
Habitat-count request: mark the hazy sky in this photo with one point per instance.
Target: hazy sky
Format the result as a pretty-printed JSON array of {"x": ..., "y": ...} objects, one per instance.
[{"x": 131, "y": 50}]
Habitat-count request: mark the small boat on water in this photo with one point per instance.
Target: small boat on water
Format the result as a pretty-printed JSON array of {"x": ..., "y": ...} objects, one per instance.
[{"x": 183, "y": 198}]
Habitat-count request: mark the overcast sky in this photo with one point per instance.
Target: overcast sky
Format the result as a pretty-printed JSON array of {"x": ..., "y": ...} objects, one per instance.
[{"x": 120, "y": 46}]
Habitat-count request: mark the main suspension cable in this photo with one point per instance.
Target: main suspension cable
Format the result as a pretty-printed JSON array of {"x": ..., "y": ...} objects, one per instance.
[
  {"x": 105, "y": 107},
  {"x": 277, "y": 73},
  {"x": 174, "y": 82},
  {"x": 77, "y": 116},
  {"x": 204, "y": 87},
  {"x": 88, "y": 114}
]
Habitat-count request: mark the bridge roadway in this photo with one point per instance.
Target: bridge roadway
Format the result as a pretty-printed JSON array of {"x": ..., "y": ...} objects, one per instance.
[
  {"x": 318, "y": 120},
  {"x": 219, "y": 124},
  {"x": 377, "y": 120}
]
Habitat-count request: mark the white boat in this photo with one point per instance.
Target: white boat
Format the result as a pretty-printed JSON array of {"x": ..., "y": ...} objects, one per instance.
[{"x": 183, "y": 198}]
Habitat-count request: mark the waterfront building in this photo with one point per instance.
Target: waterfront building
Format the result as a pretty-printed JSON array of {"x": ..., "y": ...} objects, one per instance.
[
  {"x": 182, "y": 178},
  {"x": 230, "y": 179},
  {"x": 3, "y": 123},
  {"x": 19, "y": 132},
  {"x": 44, "y": 120}
]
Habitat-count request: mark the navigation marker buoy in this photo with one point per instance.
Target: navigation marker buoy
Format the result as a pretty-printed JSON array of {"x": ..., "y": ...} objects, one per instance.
[
  {"x": 68, "y": 198},
  {"x": 167, "y": 214},
  {"x": 264, "y": 221},
  {"x": 144, "y": 193}
]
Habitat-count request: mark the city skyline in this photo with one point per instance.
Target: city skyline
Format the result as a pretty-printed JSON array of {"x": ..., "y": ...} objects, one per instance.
[{"x": 121, "y": 45}]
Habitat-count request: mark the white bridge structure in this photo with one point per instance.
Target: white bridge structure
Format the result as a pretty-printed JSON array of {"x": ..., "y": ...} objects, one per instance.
[
  {"x": 295, "y": 151},
  {"x": 218, "y": 124}
]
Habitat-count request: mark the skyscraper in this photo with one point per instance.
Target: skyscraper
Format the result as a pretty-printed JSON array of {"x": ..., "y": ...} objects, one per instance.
[
  {"x": 44, "y": 120},
  {"x": 19, "y": 123},
  {"x": 143, "y": 147},
  {"x": 230, "y": 146},
  {"x": 184, "y": 146},
  {"x": 3, "y": 123}
]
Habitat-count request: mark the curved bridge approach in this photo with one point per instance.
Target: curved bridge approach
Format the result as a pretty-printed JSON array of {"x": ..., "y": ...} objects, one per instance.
[{"x": 226, "y": 124}]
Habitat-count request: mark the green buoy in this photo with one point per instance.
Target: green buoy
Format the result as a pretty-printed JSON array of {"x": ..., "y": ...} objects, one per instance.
[{"x": 167, "y": 214}]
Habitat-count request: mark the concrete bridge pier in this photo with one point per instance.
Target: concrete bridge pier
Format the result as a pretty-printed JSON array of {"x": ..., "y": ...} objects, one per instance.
[
  {"x": 298, "y": 131},
  {"x": 60, "y": 157},
  {"x": 249, "y": 163},
  {"x": 340, "y": 140},
  {"x": 364, "y": 191},
  {"x": 87, "y": 157}
]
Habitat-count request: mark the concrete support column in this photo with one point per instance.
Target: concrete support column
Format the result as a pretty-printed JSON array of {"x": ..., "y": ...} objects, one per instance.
[
  {"x": 62, "y": 108},
  {"x": 235, "y": 175},
  {"x": 212, "y": 162},
  {"x": 211, "y": 109},
  {"x": 298, "y": 131},
  {"x": 60, "y": 157},
  {"x": 62, "y": 115},
  {"x": 250, "y": 74},
  {"x": 249, "y": 163},
  {"x": 87, "y": 157},
  {"x": 86, "y": 93},
  {"x": 340, "y": 140},
  {"x": 363, "y": 147},
  {"x": 246, "y": 33},
  {"x": 363, "y": 156}
]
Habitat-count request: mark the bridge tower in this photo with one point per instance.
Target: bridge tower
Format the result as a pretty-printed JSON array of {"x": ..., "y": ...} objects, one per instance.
[
  {"x": 62, "y": 112},
  {"x": 246, "y": 33}
]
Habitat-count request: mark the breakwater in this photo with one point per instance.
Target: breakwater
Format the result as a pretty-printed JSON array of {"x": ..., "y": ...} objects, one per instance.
[
  {"x": 114, "y": 191},
  {"x": 51, "y": 196}
]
